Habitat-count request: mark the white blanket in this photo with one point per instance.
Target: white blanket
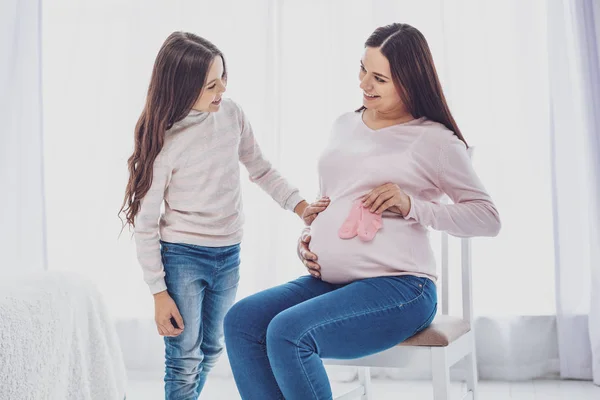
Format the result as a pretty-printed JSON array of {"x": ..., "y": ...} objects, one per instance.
[{"x": 57, "y": 341}]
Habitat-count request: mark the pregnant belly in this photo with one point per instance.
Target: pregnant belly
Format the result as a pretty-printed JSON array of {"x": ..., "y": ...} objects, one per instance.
[
  {"x": 392, "y": 250},
  {"x": 338, "y": 258}
]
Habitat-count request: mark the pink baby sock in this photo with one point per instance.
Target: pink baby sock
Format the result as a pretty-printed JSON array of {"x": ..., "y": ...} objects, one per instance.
[
  {"x": 349, "y": 228},
  {"x": 369, "y": 224}
]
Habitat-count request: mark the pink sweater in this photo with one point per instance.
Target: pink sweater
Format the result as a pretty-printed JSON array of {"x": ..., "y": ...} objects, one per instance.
[
  {"x": 424, "y": 159},
  {"x": 197, "y": 175}
]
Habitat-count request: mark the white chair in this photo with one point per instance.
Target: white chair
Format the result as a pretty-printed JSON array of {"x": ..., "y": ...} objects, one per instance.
[{"x": 445, "y": 342}]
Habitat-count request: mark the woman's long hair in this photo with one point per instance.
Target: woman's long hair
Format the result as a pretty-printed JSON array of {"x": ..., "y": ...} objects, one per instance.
[
  {"x": 179, "y": 74},
  {"x": 414, "y": 73}
]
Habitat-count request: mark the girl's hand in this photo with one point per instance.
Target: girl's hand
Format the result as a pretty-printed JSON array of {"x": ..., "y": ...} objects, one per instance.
[
  {"x": 167, "y": 316},
  {"x": 313, "y": 209},
  {"x": 387, "y": 197},
  {"x": 308, "y": 258}
]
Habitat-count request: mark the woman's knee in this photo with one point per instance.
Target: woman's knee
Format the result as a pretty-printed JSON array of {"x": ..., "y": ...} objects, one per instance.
[
  {"x": 285, "y": 329},
  {"x": 243, "y": 317},
  {"x": 235, "y": 316}
]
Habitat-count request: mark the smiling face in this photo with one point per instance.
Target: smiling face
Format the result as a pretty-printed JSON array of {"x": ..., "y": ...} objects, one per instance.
[
  {"x": 379, "y": 91},
  {"x": 210, "y": 96}
]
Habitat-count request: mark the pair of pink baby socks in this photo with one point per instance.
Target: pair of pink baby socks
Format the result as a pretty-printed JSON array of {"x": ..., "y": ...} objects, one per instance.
[{"x": 361, "y": 222}]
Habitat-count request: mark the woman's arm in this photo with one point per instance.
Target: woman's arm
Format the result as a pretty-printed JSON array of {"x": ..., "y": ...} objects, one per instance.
[{"x": 473, "y": 212}]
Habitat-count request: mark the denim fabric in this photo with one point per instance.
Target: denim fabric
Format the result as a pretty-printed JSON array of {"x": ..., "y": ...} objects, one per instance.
[
  {"x": 275, "y": 339},
  {"x": 203, "y": 283}
]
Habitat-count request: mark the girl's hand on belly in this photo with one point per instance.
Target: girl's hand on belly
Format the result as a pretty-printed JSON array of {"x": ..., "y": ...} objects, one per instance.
[
  {"x": 312, "y": 211},
  {"x": 387, "y": 197}
]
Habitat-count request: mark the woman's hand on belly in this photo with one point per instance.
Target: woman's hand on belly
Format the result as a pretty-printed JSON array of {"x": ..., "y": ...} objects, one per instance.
[
  {"x": 387, "y": 197},
  {"x": 308, "y": 258}
]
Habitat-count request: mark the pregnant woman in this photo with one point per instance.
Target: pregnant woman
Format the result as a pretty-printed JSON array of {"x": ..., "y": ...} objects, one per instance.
[{"x": 382, "y": 175}]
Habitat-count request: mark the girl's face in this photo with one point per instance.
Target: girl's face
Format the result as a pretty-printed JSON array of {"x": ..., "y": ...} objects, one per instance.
[
  {"x": 210, "y": 96},
  {"x": 379, "y": 92}
]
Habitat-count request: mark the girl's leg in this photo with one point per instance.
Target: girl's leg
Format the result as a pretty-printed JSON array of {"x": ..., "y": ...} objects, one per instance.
[
  {"x": 246, "y": 330},
  {"x": 186, "y": 278},
  {"x": 219, "y": 296},
  {"x": 359, "y": 319}
]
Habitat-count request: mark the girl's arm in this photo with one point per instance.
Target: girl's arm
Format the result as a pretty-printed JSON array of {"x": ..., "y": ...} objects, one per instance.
[
  {"x": 263, "y": 174},
  {"x": 146, "y": 234}
]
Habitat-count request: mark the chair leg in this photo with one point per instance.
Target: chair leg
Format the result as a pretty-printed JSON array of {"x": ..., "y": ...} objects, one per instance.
[
  {"x": 364, "y": 377},
  {"x": 471, "y": 363},
  {"x": 440, "y": 369}
]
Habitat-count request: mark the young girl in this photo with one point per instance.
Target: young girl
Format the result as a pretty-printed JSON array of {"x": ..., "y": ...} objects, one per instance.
[{"x": 188, "y": 144}]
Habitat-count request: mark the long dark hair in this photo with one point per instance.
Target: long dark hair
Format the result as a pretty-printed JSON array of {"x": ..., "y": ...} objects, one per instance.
[
  {"x": 414, "y": 73},
  {"x": 178, "y": 76}
]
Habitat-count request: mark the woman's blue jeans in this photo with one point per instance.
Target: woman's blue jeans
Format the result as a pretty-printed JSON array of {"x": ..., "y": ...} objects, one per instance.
[{"x": 275, "y": 339}]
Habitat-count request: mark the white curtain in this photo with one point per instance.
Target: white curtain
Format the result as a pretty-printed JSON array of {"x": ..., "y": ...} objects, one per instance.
[
  {"x": 574, "y": 30},
  {"x": 22, "y": 223},
  {"x": 293, "y": 67}
]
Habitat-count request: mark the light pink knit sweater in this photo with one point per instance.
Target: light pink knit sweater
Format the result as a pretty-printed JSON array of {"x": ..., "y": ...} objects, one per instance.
[
  {"x": 197, "y": 174},
  {"x": 425, "y": 160}
]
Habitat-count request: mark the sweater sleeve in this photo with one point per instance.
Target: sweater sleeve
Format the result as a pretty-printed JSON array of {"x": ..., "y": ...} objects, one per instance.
[
  {"x": 260, "y": 169},
  {"x": 146, "y": 231},
  {"x": 473, "y": 212}
]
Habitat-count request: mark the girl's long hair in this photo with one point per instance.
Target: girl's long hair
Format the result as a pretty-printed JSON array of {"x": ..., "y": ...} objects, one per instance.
[{"x": 178, "y": 77}]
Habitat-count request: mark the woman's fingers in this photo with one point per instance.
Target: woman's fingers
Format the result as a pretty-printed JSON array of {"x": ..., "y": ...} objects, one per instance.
[
  {"x": 313, "y": 268},
  {"x": 312, "y": 265},
  {"x": 382, "y": 198},
  {"x": 306, "y": 254},
  {"x": 370, "y": 197},
  {"x": 308, "y": 257},
  {"x": 305, "y": 238},
  {"x": 386, "y": 205}
]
